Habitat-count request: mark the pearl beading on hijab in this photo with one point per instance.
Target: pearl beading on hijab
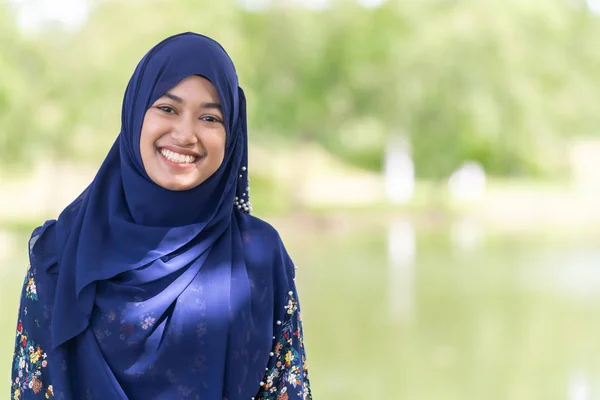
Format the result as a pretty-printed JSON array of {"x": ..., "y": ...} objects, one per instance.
[{"x": 239, "y": 202}]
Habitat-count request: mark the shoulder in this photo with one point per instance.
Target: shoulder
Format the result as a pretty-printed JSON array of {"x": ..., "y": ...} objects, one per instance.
[
  {"x": 42, "y": 245},
  {"x": 256, "y": 231},
  {"x": 262, "y": 241},
  {"x": 40, "y": 231}
]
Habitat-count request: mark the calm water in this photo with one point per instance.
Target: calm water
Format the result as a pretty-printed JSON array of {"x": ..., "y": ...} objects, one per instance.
[{"x": 394, "y": 313}]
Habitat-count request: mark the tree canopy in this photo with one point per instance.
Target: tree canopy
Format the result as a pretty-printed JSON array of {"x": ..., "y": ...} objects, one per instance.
[{"x": 504, "y": 83}]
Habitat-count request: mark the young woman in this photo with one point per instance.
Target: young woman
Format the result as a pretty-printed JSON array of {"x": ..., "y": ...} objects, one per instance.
[{"x": 156, "y": 282}]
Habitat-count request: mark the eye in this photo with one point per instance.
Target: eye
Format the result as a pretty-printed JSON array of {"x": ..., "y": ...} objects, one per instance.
[
  {"x": 210, "y": 118},
  {"x": 167, "y": 109}
]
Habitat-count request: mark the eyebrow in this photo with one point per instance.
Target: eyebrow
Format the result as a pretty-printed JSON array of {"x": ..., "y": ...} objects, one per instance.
[{"x": 178, "y": 99}]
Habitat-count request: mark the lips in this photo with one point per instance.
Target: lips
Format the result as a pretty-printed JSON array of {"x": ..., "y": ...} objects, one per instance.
[{"x": 178, "y": 158}]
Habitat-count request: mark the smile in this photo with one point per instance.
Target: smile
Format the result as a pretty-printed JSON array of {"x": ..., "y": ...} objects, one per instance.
[{"x": 177, "y": 158}]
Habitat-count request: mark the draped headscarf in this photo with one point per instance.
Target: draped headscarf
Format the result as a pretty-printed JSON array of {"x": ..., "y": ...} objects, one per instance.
[{"x": 157, "y": 295}]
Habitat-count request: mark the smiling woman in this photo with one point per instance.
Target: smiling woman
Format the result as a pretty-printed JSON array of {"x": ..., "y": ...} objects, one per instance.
[
  {"x": 183, "y": 136},
  {"x": 157, "y": 282}
]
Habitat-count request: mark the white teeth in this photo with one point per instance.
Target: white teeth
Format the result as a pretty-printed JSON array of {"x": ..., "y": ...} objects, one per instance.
[{"x": 176, "y": 157}]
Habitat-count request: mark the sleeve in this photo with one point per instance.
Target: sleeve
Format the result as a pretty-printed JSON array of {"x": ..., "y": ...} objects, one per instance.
[
  {"x": 286, "y": 375},
  {"x": 30, "y": 375}
]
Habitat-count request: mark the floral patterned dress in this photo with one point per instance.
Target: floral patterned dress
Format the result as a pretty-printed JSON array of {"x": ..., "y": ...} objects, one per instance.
[
  {"x": 39, "y": 372},
  {"x": 30, "y": 373},
  {"x": 287, "y": 373}
]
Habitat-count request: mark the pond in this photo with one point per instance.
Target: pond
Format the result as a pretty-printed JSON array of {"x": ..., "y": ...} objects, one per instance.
[{"x": 397, "y": 311}]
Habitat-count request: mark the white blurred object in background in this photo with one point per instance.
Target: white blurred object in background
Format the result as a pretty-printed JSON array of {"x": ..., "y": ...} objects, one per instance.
[
  {"x": 402, "y": 249},
  {"x": 399, "y": 172},
  {"x": 259, "y": 5},
  {"x": 467, "y": 234},
  {"x": 584, "y": 157},
  {"x": 579, "y": 387},
  {"x": 593, "y": 6},
  {"x": 468, "y": 182},
  {"x": 71, "y": 14},
  {"x": 370, "y": 3}
]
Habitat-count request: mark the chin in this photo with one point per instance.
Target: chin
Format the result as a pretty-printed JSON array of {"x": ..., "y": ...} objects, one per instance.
[
  {"x": 182, "y": 184},
  {"x": 178, "y": 186},
  {"x": 178, "y": 182}
]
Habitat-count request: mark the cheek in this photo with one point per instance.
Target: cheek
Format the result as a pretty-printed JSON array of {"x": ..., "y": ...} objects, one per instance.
[
  {"x": 152, "y": 130},
  {"x": 149, "y": 134},
  {"x": 216, "y": 144},
  {"x": 222, "y": 145},
  {"x": 146, "y": 137}
]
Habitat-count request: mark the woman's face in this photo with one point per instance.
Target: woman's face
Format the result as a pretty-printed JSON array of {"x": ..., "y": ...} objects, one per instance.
[{"x": 183, "y": 135}]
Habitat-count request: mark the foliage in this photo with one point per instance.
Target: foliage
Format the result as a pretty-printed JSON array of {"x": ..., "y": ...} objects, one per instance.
[{"x": 500, "y": 82}]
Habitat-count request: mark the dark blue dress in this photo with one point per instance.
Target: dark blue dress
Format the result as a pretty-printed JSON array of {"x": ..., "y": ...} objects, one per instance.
[{"x": 38, "y": 372}]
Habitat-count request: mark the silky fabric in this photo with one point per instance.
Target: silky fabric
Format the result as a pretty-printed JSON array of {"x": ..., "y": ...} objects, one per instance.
[{"x": 159, "y": 293}]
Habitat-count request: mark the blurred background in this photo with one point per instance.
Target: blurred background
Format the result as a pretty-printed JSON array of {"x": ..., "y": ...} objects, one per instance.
[{"x": 433, "y": 167}]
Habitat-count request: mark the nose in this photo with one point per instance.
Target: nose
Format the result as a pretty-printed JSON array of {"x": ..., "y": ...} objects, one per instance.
[{"x": 184, "y": 131}]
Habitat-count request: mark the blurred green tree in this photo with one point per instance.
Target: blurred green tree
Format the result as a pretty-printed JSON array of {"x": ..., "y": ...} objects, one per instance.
[{"x": 502, "y": 83}]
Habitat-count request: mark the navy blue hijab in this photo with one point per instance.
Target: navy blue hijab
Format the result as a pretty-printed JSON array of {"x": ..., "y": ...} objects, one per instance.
[{"x": 156, "y": 294}]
